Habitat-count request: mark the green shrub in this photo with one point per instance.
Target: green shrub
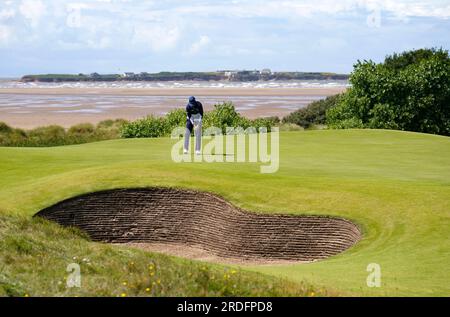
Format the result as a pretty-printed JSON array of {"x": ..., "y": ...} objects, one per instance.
[
  {"x": 350, "y": 123},
  {"x": 105, "y": 124},
  {"x": 291, "y": 127},
  {"x": 51, "y": 131},
  {"x": 313, "y": 114},
  {"x": 176, "y": 118},
  {"x": 274, "y": 120},
  {"x": 10, "y": 136},
  {"x": 225, "y": 115},
  {"x": 111, "y": 124},
  {"x": 55, "y": 135},
  {"x": 109, "y": 129},
  {"x": 82, "y": 129},
  {"x": 149, "y": 127},
  {"x": 267, "y": 123},
  {"x": 82, "y": 133},
  {"x": 410, "y": 91},
  {"x": 45, "y": 136},
  {"x": 403, "y": 60},
  {"x": 4, "y": 128},
  {"x": 222, "y": 116}
]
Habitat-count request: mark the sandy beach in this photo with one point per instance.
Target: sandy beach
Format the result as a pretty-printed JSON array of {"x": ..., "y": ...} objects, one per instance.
[{"x": 32, "y": 107}]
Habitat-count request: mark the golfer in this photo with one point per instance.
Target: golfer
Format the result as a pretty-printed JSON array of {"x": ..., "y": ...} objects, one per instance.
[{"x": 194, "y": 111}]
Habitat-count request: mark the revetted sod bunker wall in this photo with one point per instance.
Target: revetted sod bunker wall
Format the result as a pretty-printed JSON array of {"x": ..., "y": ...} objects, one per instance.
[{"x": 166, "y": 215}]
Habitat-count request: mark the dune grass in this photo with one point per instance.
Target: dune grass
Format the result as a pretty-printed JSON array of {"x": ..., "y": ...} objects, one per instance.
[
  {"x": 395, "y": 185},
  {"x": 54, "y": 135},
  {"x": 36, "y": 253}
]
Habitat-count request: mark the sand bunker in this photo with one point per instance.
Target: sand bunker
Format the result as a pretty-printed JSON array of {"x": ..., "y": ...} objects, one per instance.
[{"x": 165, "y": 217}]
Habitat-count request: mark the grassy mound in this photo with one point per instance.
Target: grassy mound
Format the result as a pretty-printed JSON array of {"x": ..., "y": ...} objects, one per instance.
[
  {"x": 35, "y": 254},
  {"x": 54, "y": 135}
]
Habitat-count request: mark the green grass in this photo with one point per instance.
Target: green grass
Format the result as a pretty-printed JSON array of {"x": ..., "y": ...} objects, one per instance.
[
  {"x": 35, "y": 255},
  {"x": 395, "y": 185}
]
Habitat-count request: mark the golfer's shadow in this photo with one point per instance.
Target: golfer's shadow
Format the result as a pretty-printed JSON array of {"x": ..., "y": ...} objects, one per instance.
[{"x": 218, "y": 154}]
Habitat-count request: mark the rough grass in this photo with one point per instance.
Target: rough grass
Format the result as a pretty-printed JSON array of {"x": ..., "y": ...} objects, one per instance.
[
  {"x": 35, "y": 255},
  {"x": 395, "y": 185},
  {"x": 54, "y": 135}
]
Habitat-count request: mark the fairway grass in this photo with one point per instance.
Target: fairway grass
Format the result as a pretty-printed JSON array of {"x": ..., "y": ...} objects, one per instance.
[{"x": 394, "y": 185}]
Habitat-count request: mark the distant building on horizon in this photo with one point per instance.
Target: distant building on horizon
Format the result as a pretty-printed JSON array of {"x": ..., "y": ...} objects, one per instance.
[{"x": 128, "y": 75}]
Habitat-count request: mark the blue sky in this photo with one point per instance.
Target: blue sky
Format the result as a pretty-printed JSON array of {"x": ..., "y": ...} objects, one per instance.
[{"x": 111, "y": 36}]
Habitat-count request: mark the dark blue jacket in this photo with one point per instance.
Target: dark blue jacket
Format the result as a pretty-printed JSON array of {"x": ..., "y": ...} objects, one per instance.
[{"x": 194, "y": 107}]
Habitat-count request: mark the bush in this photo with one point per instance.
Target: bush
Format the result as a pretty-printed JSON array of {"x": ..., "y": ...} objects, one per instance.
[
  {"x": 403, "y": 60},
  {"x": 222, "y": 116},
  {"x": 56, "y": 135},
  {"x": 109, "y": 129},
  {"x": 225, "y": 115},
  {"x": 176, "y": 118},
  {"x": 149, "y": 127},
  {"x": 4, "y": 128},
  {"x": 10, "y": 136},
  {"x": 45, "y": 136},
  {"x": 267, "y": 123},
  {"x": 313, "y": 114},
  {"x": 291, "y": 127},
  {"x": 410, "y": 91},
  {"x": 82, "y": 129},
  {"x": 111, "y": 124}
]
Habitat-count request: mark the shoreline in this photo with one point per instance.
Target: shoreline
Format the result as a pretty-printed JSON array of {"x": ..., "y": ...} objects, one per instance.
[
  {"x": 325, "y": 91},
  {"x": 28, "y": 108}
]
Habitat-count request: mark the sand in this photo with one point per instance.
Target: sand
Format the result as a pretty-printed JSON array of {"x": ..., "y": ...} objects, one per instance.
[
  {"x": 201, "y": 225},
  {"x": 69, "y": 106},
  {"x": 199, "y": 254}
]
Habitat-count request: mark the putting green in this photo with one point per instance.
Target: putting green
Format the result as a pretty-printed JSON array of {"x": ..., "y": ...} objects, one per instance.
[{"x": 395, "y": 185}]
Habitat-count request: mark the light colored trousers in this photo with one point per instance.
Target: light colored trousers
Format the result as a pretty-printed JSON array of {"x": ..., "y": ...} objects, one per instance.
[{"x": 197, "y": 123}]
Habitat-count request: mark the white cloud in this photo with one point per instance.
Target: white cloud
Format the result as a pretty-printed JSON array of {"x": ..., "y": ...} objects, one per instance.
[
  {"x": 308, "y": 8},
  {"x": 32, "y": 10},
  {"x": 329, "y": 43},
  {"x": 158, "y": 38},
  {"x": 416, "y": 8},
  {"x": 250, "y": 31},
  {"x": 7, "y": 13},
  {"x": 231, "y": 50},
  {"x": 102, "y": 43},
  {"x": 199, "y": 45},
  {"x": 5, "y": 34}
]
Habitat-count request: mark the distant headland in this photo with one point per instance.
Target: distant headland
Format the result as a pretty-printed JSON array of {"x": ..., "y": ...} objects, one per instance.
[{"x": 225, "y": 75}]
